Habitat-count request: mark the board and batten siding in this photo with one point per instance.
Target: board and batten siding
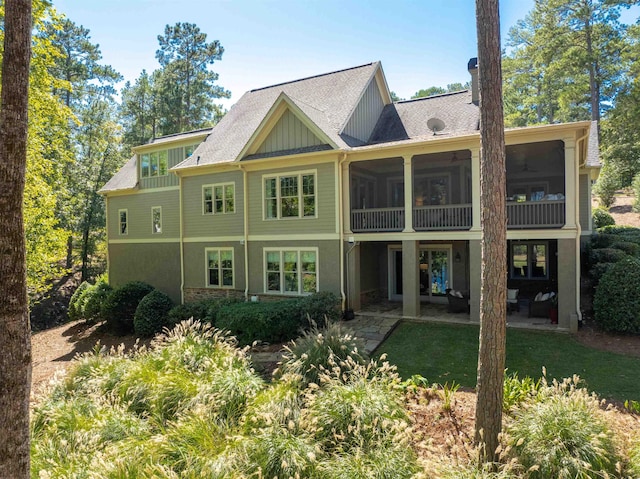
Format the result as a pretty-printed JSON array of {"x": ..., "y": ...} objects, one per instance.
[
  {"x": 195, "y": 265},
  {"x": 176, "y": 155},
  {"x": 289, "y": 133},
  {"x": 366, "y": 114},
  {"x": 199, "y": 225},
  {"x": 138, "y": 208},
  {"x": 585, "y": 202},
  {"x": 328, "y": 263},
  {"x": 325, "y": 220}
]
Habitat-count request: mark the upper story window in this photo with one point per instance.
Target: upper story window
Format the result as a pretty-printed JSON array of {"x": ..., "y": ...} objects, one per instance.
[
  {"x": 156, "y": 219},
  {"x": 290, "y": 196},
  {"x": 218, "y": 199},
  {"x": 154, "y": 164},
  {"x": 529, "y": 260},
  {"x": 123, "y": 222}
]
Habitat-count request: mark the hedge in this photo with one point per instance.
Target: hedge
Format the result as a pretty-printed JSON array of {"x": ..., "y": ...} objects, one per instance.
[
  {"x": 617, "y": 300},
  {"x": 152, "y": 314},
  {"x": 120, "y": 306}
]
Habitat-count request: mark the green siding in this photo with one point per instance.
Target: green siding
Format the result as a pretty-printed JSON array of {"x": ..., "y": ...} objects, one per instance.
[
  {"x": 289, "y": 133},
  {"x": 328, "y": 263},
  {"x": 366, "y": 115},
  {"x": 585, "y": 202},
  {"x": 199, "y": 225},
  {"x": 155, "y": 263},
  {"x": 325, "y": 222},
  {"x": 195, "y": 264},
  {"x": 139, "y": 215},
  {"x": 176, "y": 155}
]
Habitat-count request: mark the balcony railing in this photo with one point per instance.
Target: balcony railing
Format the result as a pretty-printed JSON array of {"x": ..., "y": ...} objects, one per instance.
[
  {"x": 377, "y": 219},
  {"x": 536, "y": 214},
  {"x": 442, "y": 217}
]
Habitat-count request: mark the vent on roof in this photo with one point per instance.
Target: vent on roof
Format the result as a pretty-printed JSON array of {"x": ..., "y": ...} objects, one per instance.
[{"x": 435, "y": 125}]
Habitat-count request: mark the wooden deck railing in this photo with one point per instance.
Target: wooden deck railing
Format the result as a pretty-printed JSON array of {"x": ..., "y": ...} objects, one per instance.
[
  {"x": 442, "y": 217},
  {"x": 535, "y": 214},
  {"x": 377, "y": 219}
]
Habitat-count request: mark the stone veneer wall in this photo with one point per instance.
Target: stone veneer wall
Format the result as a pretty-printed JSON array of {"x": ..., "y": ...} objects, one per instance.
[{"x": 192, "y": 295}]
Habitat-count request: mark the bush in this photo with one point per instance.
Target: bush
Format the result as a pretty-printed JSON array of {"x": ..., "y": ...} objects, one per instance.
[
  {"x": 152, "y": 314},
  {"x": 272, "y": 322},
  {"x": 319, "y": 350},
  {"x": 183, "y": 312},
  {"x": 617, "y": 300},
  {"x": 215, "y": 305},
  {"x": 630, "y": 248},
  {"x": 93, "y": 299},
  {"x": 597, "y": 271},
  {"x": 320, "y": 308},
  {"x": 634, "y": 459},
  {"x": 75, "y": 312},
  {"x": 120, "y": 306},
  {"x": 635, "y": 185},
  {"x": 563, "y": 435},
  {"x": 605, "y": 188},
  {"x": 606, "y": 255},
  {"x": 601, "y": 217}
]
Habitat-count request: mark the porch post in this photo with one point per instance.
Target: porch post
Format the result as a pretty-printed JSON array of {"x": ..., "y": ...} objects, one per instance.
[
  {"x": 570, "y": 182},
  {"x": 346, "y": 198},
  {"x": 475, "y": 191},
  {"x": 567, "y": 289},
  {"x": 353, "y": 276},
  {"x": 410, "y": 278},
  {"x": 408, "y": 195},
  {"x": 475, "y": 266}
]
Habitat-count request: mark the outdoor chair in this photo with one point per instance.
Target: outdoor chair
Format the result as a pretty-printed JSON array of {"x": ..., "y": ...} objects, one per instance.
[{"x": 458, "y": 301}]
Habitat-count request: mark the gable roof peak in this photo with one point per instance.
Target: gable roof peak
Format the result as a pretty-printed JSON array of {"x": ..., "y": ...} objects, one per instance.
[{"x": 431, "y": 97}]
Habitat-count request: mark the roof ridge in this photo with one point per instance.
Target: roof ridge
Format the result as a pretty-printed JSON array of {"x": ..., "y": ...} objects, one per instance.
[
  {"x": 311, "y": 77},
  {"x": 431, "y": 97},
  {"x": 179, "y": 134}
]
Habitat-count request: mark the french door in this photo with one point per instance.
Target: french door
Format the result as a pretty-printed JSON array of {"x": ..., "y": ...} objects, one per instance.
[{"x": 435, "y": 272}]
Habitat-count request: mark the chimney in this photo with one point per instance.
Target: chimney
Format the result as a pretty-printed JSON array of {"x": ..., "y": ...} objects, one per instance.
[{"x": 472, "y": 66}]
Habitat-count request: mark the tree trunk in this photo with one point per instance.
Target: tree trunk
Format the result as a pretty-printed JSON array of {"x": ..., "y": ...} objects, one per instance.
[
  {"x": 493, "y": 301},
  {"x": 15, "y": 336}
]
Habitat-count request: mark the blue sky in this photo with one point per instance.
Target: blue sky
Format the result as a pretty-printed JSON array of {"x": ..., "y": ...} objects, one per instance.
[{"x": 420, "y": 43}]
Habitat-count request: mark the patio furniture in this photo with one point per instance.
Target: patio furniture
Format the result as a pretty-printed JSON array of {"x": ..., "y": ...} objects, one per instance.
[
  {"x": 539, "y": 307},
  {"x": 458, "y": 301},
  {"x": 512, "y": 301}
]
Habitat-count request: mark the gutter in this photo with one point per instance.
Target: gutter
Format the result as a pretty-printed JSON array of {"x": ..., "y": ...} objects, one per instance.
[
  {"x": 578, "y": 226},
  {"x": 180, "y": 190}
]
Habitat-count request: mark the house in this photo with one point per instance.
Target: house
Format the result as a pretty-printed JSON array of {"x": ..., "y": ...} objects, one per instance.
[{"x": 324, "y": 183}]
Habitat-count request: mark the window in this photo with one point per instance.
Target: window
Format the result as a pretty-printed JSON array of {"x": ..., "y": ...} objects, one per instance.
[
  {"x": 218, "y": 199},
  {"x": 123, "y": 222},
  {"x": 154, "y": 164},
  {"x": 219, "y": 267},
  {"x": 529, "y": 260},
  {"x": 156, "y": 219},
  {"x": 290, "y": 196},
  {"x": 291, "y": 271}
]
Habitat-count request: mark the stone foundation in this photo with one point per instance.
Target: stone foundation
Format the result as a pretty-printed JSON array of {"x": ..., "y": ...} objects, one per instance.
[{"x": 193, "y": 295}]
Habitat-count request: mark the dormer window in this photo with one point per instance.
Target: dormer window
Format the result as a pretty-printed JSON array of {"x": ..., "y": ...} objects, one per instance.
[{"x": 154, "y": 164}]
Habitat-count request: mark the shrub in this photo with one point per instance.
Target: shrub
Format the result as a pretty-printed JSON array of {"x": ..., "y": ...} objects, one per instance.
[
  {"x": 319, "y": 350},
  {"x": 93, "y": 299},
  {"x": 120, "y": 306},
  {"x": 635, "y": 185},
  {"x": 617, "y": 300},
  {"x": 152, "y": 314},
  {"x": 603, "y": 240},
  {"x": 392, "y": 461},
  {"x": 215, "y": 305},
  {"x": 606, "y": 255},
  {"x": 74, "y": 303},
  {"x": 563, "y": 435},
  {"x": 320, "y": 308},
  {"x": 597, "y": 271},
  {"x": 634, "y": 459},
  {"x": 601, "y": 217},
  {"x": 605, "y": 188},
  {"x": 516, "y": 390},
  {"x": 183, "y": 312},
  {"x": 272, "y": 322},
  {"x": 628, "y": 247}
]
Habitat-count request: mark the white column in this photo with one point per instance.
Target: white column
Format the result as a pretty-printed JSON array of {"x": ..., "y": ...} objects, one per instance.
[
  {"x": 570, "y": 182},
  {"x": 346, "y": 198},
  {"x": 475, "y": 189},
  {"x": 408, "y": 195}
]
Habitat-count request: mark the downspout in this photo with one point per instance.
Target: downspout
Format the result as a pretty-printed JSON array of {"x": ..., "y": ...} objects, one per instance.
[
  {"x": 579, "y": 227},
  {"x": 106, "y": 213},
  {"x": 181, "y": 241},
  {"x": 343, "y": 273},
  {"x": 245, "y": 219}
]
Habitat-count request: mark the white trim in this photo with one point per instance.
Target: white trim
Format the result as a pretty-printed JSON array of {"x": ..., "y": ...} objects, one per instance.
[
  {"x": 153, "y": 232},
  {"x": 144, "y": 241},
  {"x": 224, "y": 199},
  {"x": 220, "y": 277},
  {"x": 299, "y": 174},
  {"x": 556, "y": 233},
  {"x": 126, "y": 213},
  {"x": 297, "y": 237},
  {"x": 212, "y": 239},
  {"x": 298, "y": 250},
  {"x": 155, "y": 190}
]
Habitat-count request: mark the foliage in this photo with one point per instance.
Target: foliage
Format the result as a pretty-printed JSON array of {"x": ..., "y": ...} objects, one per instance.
[
  {"x": 629, "y": 247},
  {"x": 386, "y": 461},
  {"x": 517, "y": 391},
  {"x": 319, "y": 350},
  {"x": 273, "y": 322},
  {"x": 634, "y": 459},
  {"x": 75, "y": 312},
  {"x": 120, "y": 306},
  {"x": 92, "y": 302},
  {"x": 601, "y": 217},
  {"x": 563, "y": 434},
  {"x": 152, "y": 314},
  {"x": 183, "y": 312},
  {"x": 617, "y": 300},
  {"x": 636, "y": 193},
  {"x": 436, "y": 90},
  {"x": 606, "y": 187},
  {"x": 606, "y": 255},
  {"x": 320, "y": 308}
]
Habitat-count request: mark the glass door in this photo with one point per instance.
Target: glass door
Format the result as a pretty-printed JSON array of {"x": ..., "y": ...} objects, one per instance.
[{"x": 434, "y": 273}]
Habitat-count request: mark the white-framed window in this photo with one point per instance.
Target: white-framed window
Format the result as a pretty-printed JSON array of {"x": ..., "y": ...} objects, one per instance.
[
  {"x": 123, "y": 222},
  {"x": 529, "y": 260},
  {"x": 219, "y": 267},
  {"x": 154, "y": 164},
  {"x": 290, "y": 196},
  {"x": 156, "y": 219},
  {"x": 291, "y": 270},
  {"x": 218, "y": 199}
]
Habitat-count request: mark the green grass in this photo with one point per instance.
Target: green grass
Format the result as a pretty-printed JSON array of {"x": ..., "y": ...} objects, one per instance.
[{"x": 444, "y": 353}]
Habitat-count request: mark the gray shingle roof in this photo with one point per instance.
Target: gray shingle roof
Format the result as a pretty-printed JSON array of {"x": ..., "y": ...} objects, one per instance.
[
  {"x": 327, "y": 100},
  {"x": 408, "y": 119},
  {"x": 124, "y": 179},
  {"x": 593, "y": 146}
]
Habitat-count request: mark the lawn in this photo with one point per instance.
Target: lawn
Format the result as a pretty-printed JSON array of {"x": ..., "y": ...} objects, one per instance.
[{"x": 445, "y": 353}]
